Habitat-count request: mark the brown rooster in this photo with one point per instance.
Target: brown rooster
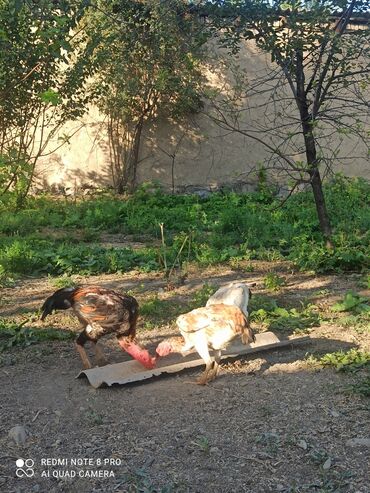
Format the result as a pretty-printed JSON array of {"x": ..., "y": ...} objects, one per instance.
[
  {"x": 101, "y": 312},
  {"x": 213, "y": 327}
]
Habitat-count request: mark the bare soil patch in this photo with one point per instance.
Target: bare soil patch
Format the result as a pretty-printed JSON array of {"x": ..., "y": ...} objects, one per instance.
[{"x": 270, "y": 423}]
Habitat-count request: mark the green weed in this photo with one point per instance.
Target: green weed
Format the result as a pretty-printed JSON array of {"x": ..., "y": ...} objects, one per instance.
[
  {"x": 365, "y": 281},
  {"x": 63, "y": 281},
  {"x": 17, "y": 334},
  {"x": 94, "y": 417},
  {"x": 268, "y": 314},
  {"x": 5, "y": 280},
  {"x": 202, "y": 443},
  {"x": 359, "y": 323},
  {"x": 355, "y": 310},
  {"x": 352, "y": 360},
  {"x": 158, "y": 312},
  {"x": 201, "y": 296},
  {"x": 270, "y": 441},
  {"x": 352, "y": 302},
  {"x": 320, "y": 292},
  {"x": 273, "y": 281},
  {"x": 361, "y": 387}
]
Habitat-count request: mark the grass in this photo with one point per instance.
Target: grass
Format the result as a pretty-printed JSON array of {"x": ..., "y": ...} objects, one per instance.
[
  {"x": 18, "y": 334},
  {"x": 57, "y": 237}
]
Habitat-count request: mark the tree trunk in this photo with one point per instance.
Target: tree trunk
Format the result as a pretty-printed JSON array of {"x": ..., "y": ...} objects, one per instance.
[
  {"x": 137, "y": 145},
  {"x": 124, "y": 152},
  {"x": 322, "y": 212},
  {"x": 311, "y": 153},
  {"x": 131, "y": 166},
  {"x": 316, "y": 183}
]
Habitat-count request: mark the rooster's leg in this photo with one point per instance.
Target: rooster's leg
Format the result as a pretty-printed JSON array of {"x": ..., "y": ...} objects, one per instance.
[
  {"x": 80, "y": 343},
  {"x": 201, "y": 345},
  {"x": 99, "y": 355},
  {"x": 85, "y": 360},
  {"x": 206, "y": 376},
  {"x": 212, "y": 368},
  {"x": 216, "y": 365}
]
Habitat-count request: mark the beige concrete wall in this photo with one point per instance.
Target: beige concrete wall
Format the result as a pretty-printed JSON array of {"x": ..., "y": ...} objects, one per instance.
[{"x": 206, "y": 154}]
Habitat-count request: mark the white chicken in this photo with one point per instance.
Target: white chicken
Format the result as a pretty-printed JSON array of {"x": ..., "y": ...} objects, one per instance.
[
  {"x": 235, "y": 293},
  {"x": 212, "y": 327}
]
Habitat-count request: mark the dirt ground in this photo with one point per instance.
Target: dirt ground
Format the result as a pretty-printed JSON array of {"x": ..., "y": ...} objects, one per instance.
[{"x": 270, "y": 423}]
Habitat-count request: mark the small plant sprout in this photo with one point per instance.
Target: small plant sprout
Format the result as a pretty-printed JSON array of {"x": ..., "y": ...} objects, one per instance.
[
  {"x": 274, "y": 282},
  {"x": 202, "y": 443}
]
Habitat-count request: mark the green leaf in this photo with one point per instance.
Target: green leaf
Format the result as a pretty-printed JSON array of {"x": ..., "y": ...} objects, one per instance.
[
  {"x": 50, "y": 97},
  {"x": 350, "y": 302},
  {"x": 286, "y": 6}
]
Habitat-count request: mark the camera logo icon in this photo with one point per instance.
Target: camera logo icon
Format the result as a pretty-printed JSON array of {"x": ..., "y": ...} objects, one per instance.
[{"x": 24, "y": 468}]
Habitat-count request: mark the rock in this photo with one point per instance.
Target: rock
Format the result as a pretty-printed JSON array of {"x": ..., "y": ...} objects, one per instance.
[
  {"x": 334, "y": 413},
  {"x": 327, "y": 464},
  {"x": 302, "y": 444},
  {"x": 358, "y": 442},
  {"x": 214, "y": 450},
  {"x": 18, "y": 434}
]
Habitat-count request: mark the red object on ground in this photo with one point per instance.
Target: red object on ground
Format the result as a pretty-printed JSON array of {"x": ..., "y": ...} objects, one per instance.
[{"x": 141, "y": 355}]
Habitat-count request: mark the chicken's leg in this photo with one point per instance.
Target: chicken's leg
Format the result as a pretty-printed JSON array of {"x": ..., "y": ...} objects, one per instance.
[
  {"x": 201, "y": 345},
  {"x": 216, "y": 364},
  {"x": 101, "y": 360},
  {"x": 214, "y": 367},
  {"x": 204, "y": 378},
  {"x": 80, "y": 346},
  {"x": 83, "y": 355}
]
